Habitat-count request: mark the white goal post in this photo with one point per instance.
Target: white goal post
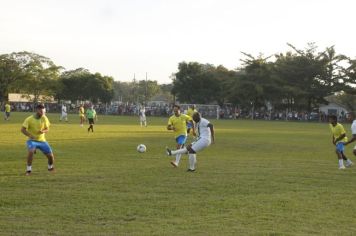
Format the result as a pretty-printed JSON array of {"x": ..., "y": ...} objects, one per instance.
[{"x": 208, "y": 111}]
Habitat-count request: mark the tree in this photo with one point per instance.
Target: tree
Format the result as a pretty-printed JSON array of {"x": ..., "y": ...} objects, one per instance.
[
  {"x": 10, "y": 72},
  {"x": 38, "y": 74}
]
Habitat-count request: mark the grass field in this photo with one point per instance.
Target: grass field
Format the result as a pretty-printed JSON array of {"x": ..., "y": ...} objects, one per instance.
[{"x": 260, "y": 178}]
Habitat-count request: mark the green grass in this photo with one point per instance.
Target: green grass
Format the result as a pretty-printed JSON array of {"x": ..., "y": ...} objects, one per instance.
[{"x": 278, "y": 178}]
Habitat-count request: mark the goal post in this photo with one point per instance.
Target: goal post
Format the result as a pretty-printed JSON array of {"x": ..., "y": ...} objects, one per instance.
[{"x": 208, "y": 111}]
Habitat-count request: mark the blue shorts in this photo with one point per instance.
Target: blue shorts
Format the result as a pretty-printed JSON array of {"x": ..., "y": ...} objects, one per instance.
[
  {"x": 43, "y": 146},
  {"x": 189, "y": 125},
  {"x": 181, "y": 139},
  {"x": 340, "y": 147}
]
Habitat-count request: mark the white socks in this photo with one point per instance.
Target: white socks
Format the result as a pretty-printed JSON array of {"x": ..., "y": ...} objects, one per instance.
[
  {"x": 348, "y": 161},
  {"x": 180, "y": 151},
  {"x": 341, "y": 162},
  {"x": 29, "y": 168},
  {"x": 192, "y": 161},
  {"x": 50, "y": 166},
  {"x": 178, "y": 156}
]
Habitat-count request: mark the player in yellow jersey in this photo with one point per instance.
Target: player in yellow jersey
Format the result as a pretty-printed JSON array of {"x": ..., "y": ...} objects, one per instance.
[
  {"x": 7, "y": 111},
  {"x": 178, "y": 123},
  {"x": 81, "y": 115},
  {"x": 191, "y": 110},
  {"x": 339, "y": 139},
  {"x": 35, "y": 127}
]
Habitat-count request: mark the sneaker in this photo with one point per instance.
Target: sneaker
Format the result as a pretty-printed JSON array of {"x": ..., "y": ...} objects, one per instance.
[
  {"x": 190, "y": 170},
  {"x": 28, "y": 173},
  {"x": 342, "y": 167},
  {"x": 349, "y": 164},
  {"x": 168, "y": 151},
  {"x": 174, "y": 164}
]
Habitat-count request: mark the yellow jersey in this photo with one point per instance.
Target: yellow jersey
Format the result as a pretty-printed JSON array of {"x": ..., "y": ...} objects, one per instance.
[
  {"x": 337, "y": 131},
  {"x": 33, "y": 126},
  {"x": 191, "y": 111},
  {"x": 180, "y": 124},
  {"x": 81, "y": 111},
  {"x": 7, "y": 108}
]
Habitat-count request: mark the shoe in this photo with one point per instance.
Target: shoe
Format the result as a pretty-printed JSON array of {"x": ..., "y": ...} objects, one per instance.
[
  {"x": 349, "y": 164},
  {"x": 174, "y": 164},
  {"x": 52, "y": 170},
  {"x": 168, "y": 151},
  {"x": 342, "y": 168},
  {"x": 28, "y": 173},
  {"x": 190, "y": 170}
]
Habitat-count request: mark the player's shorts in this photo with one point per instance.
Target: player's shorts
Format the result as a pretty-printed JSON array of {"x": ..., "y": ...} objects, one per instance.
[
  {"x": 91, "y": 121},
  {"x": 355, "y": 147},
  {"x": 340, "y": 147},
  {"x": 43, "y": 146},
  {"x": 142, "y": 118},
  {"x": 7, "y": 114},
  {"x": 181, "y": 139},
  {"x": 189, "y": 125},
  {"x": 200, "y": 144}
]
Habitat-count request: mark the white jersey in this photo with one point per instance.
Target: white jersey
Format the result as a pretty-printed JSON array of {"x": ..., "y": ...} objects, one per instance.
[
  {"x": 203, "y": 129},
  {"x": 64, "y": 110},
  {"x": 142, "y": 113},
  {"x": 353, "y": 127}
]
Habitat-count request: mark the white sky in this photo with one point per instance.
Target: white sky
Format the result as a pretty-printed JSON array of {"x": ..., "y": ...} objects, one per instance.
[{"x": 121, "y": 38}]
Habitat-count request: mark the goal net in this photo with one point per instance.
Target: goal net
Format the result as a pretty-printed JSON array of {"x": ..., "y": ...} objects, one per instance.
[{"x": 208, "y": 111}]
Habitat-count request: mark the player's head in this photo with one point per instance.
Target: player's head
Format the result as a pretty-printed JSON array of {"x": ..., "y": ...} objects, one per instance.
[
  {"x": 196, "y": 117},
  {"x": 176, "y": 110},
  {"x": 193, "y": 106},
  {"x": 351, "y": 116},
  {"x": 40, "y": 109},
  {"x": 333, "y": 119}
]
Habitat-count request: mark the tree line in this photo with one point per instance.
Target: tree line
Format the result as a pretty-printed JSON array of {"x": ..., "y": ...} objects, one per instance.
[{"x": 298, "y": 79}]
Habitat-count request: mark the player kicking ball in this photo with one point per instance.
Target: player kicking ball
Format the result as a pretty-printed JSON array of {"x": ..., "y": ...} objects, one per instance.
[{"x": 206, "y": 136}]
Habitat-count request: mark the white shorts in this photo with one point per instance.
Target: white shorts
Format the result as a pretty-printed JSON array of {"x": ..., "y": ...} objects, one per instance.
[
  {"x": 355, "y": 147},
  {"x": 142, "y": 118},
  {"x": 200, "y": 144}
]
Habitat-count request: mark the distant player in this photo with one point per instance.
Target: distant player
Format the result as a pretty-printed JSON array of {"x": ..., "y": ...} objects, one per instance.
[
  {"x": 352, "y": 117},
  {"x": 91, "y": 115},
  {"x": 142, "y": 114},
  {"x": 206, "y": 136},
  {"x": 81, "y": 115},
  {"x": 35, "y": 127},
  {"x": 178, "y": 123},
  {"x": 7, "y": 111},
  {"x": 339, "y": 139},
  {"x": 191, "y": 110},
  {"x": 64, "y": 114}
]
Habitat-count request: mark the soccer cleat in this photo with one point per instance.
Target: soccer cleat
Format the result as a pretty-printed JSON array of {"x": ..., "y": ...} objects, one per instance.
[
  {"x": 28, "y": 173},
  {"x": 190, "y": 170},
  {"x": 349, "y": 164},
  {"x": 174, "y": 164},
  {"x": 168, "y": 151},
  {"x": 342, "y": 168},
  {"x": 52, "y": 170}
]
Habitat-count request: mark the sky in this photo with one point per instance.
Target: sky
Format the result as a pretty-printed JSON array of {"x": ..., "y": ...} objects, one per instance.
[{"x": 129, "y": 38}]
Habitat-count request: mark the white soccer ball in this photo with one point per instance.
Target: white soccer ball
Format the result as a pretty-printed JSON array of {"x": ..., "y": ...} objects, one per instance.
[{"x": 141, "y": 148}]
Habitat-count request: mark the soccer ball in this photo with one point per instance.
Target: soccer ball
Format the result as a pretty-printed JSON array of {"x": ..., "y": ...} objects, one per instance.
[{"x": 141, "y": 148}]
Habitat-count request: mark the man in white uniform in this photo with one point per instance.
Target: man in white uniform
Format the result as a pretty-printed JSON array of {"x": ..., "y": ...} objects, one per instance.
[
  {"x": 142, "y": 114},
  {"x": 64, "y": 114},
  {"x": 206, "y": 136},
  {"x": 352, "y": 118}
]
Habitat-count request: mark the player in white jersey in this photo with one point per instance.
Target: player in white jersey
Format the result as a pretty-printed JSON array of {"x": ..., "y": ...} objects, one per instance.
[
  {"x": 64, "y": 114},
  {"x": 206, "y": 136},
  {"x": 142, "y": 114},
  {"x": 352, "y": 117}
]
